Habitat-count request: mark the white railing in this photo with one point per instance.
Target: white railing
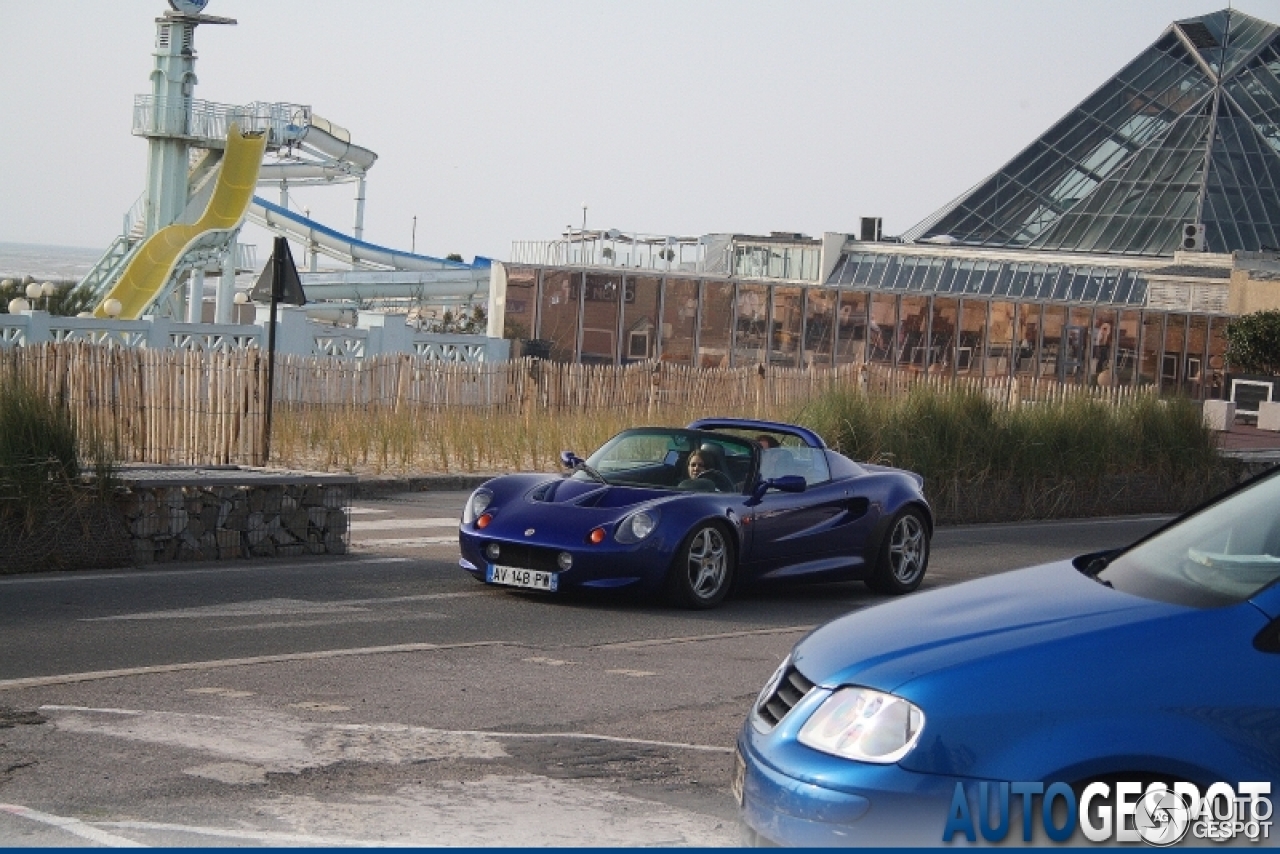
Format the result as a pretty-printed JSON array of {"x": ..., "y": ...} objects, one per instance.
[
  {"x": 246, "y": 257},
  {"x": 296, "y": 334},
  {"x": 136, "y": 214},
  {"x": 614, "y": 249},
  {"x": 208, "y": 121}
]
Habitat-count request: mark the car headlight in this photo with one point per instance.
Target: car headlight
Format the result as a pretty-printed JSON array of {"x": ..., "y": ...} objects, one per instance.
[
  {"x": 476, "y": 504},
  {"x": 866, "y": 725},
  {"x": 637, "y": 526}
]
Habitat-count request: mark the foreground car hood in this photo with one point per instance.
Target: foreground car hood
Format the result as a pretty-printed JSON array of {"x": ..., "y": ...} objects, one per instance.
[
  {"x": 1046, "y": 673},
  {"x": 890, "y": 644}
]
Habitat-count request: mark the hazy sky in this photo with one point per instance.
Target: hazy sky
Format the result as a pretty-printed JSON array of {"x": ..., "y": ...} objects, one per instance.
[{"x": 495, "y": 120}]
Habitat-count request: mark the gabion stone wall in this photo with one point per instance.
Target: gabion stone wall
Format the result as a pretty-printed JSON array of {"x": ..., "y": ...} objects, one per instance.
[{"x": 212, "y": 522}]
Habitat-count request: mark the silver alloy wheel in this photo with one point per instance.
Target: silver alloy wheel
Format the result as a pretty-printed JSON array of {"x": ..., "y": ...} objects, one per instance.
[
  {"x": 708, "y": 562},
  {"x": 908, "y": 549}
]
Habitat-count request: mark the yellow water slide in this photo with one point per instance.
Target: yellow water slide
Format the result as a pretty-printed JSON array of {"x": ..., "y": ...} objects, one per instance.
[{"x": 146, "y": 274}]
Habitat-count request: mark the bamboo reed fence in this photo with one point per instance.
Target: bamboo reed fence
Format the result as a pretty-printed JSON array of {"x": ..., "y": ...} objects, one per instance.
[
  {"x": 154, "y": 406},
  {"x": 207, "y": 408}
]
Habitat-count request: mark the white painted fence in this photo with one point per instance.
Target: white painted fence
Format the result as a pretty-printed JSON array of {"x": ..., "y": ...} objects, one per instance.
[{"x": 297, "y": 335}]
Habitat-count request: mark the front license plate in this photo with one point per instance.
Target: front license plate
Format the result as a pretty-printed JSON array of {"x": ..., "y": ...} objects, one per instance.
[
  {"x": 513, "y": 576},
  {"x": 738, "y": 784}
]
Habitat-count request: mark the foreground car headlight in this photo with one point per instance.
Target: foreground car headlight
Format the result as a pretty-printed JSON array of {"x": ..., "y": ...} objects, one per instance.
[
  {"x": 637, "y": 526},
  {"x": 866, "y": 725},
  {"x": 476, "y": 504}
]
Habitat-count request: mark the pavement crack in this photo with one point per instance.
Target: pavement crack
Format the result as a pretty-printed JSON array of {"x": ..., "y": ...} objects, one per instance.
[{"x": 10, "y": 717}]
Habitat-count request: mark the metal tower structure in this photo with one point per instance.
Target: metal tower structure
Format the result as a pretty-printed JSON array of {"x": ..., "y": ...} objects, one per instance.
[{"x": 169, "y": 136}]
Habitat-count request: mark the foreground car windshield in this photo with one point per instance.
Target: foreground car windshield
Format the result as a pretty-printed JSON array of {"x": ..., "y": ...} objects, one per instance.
[
  {"x": 1220, "y": 556},
  {"x": 660, "y": 458}
]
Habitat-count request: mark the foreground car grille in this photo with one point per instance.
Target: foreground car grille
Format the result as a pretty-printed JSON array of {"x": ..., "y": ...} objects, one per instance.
[
  {"x": 528, "y": 557},
  {"x": 790, "y": 690}
]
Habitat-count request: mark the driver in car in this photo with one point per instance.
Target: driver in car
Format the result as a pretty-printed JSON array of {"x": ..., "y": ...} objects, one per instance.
[
  {"x": 697, "y": 468},
  {"x": 703, "y": 476}
]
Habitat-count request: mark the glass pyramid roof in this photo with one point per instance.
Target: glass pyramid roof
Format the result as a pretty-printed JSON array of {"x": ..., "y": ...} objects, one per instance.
[{"x": 1167, "y": 141}]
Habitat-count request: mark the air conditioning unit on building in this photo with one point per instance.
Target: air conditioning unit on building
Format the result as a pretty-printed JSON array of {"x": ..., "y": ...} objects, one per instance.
[{"x": 1193, "y": 236}]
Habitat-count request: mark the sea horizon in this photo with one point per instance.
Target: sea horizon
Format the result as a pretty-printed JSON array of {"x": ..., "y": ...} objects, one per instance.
[{"x": 46, "y": 261}]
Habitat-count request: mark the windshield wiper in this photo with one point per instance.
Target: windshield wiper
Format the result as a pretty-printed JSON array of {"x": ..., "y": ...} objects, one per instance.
[{"x": 582, "y": 466}]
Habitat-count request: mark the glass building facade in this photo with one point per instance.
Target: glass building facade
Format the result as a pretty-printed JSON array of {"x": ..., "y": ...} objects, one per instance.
[
  {"x": 1187, "y": 134},
  {"x": 955, "y": 316}
]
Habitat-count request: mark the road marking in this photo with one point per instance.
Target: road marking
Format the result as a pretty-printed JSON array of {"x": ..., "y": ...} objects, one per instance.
[
  {"x": 71, "y": 825},
  {"x": 163, "y": 573},
  {"x": 400, "y": 524},
  {"x": 496, "y": 810},
  {"x": 549, "y": 662},
  {"x": 262, "y": 836},
  {"x": 636, "y": 673},
  {"x": 262, "y": 741},
  {"x": 282, "y": 607},
  {"x": 614, "y": 739},
  {"x": 787, "y": 630},
  {"x": 406, "y": 541},
  {"x": 217, "y": 664},
  {"x": 360, "y": 511},
  {"x": 202, "y": 724},
  {"x": 221, "y": 692}
]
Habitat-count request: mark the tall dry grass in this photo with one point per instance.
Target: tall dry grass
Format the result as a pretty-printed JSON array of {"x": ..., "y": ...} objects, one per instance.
[
  {"x": 983, "y": 459},
  {"x": 964, "y": 433},
  {"x": 56, "y": 484},
  {"x": 941, "y": 433},
  {"x": 382, "y": 441}
]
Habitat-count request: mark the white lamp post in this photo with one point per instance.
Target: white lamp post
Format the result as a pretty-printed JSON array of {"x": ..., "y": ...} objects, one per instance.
[
  {"x": 113, "y": 308},
  {"x": 18, "y": 305},
  {"x": 33, "y": 291},
  {"x": 47, "y": 290}
]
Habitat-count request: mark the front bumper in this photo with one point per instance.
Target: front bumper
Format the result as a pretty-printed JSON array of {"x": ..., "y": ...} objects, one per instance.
[
  {"x": 605, "y": 565},
  {"x": 862, "y": 804}
]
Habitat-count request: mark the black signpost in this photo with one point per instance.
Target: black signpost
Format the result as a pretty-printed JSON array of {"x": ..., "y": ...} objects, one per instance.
[{"x": 278, "y": 283}]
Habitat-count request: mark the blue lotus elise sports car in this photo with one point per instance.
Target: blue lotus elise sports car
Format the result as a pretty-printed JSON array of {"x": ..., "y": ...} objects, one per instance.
[
  {"x": 1103, "y": 681},
  {"x": 692, "y": 511}
]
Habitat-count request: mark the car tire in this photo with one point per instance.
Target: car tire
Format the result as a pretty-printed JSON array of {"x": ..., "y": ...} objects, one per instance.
[
  {"x": 703, "y": 569},
  {"x": 904, "y": 554}
]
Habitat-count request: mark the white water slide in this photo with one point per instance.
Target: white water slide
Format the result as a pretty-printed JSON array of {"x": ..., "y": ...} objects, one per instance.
[
  {"x": 381, "y": 272},
  {"x": 388, "y": 273}
]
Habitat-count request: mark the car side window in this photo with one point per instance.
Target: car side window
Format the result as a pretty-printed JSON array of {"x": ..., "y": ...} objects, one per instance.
[{"x": 809, "y": 463}]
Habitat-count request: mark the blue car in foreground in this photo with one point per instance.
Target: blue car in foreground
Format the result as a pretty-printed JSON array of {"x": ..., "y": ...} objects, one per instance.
[
  {"x": 691, "y": 511},
  {"x": 1156, "y": 663}
]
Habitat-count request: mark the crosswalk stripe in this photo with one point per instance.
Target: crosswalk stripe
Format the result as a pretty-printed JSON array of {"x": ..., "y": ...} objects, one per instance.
[
  {"x": 402, "y": 524},
  {"x": 406, "y": 541}
]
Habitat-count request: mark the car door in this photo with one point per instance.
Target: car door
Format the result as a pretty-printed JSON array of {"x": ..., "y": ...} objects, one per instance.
[{"x": 794, "y": 527}]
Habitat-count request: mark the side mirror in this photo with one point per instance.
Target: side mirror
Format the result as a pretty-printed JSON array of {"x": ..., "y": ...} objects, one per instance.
[
  {"x": 569, "y": 459},
  {"x": 786, "y": 483}
]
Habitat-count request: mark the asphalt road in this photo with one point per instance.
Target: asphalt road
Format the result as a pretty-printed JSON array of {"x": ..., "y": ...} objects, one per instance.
[{"x": 387, "y": 698}]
